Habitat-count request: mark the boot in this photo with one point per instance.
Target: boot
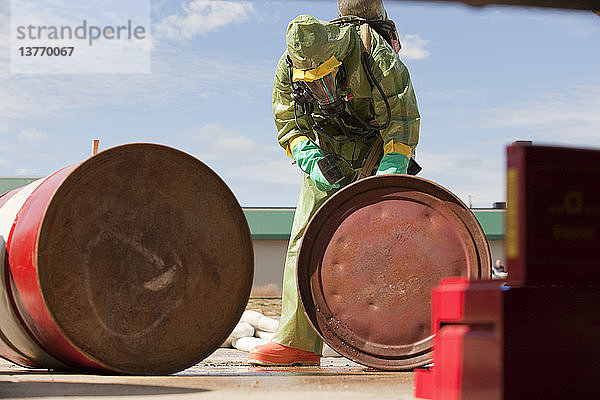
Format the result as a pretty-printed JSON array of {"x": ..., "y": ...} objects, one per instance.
[{"x": 275, "y": 354}]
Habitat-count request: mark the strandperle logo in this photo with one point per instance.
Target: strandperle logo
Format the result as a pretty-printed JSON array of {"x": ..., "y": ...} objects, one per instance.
[
  {"x": 85, "y": 31},
  {"x": 80, "y": 36}
]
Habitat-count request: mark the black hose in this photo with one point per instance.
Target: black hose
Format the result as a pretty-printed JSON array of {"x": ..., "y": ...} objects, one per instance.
[
  {"x": 319, "y": 132},
  {"x": 364, "y": 123},
  {"x": 365, "y": 61}
]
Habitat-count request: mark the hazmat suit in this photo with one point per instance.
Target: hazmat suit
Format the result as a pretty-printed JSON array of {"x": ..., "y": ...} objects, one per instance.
[{"x": 316, "y": 48}]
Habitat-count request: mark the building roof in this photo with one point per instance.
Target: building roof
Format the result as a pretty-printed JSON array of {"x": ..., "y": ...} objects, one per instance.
[
  {"x": 9, "y": 183},
  {"x": 270, "y": 223}
]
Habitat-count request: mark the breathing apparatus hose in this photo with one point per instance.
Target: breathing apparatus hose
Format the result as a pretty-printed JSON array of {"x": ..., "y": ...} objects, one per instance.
[
  {"x": 321, "y": 132},
  {"x": 365, "y": 61}
]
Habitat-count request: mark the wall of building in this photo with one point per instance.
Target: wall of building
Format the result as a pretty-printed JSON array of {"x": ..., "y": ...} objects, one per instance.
[
  {"x": 269, "y": 258},
  {"x": 497, "y": 250}
]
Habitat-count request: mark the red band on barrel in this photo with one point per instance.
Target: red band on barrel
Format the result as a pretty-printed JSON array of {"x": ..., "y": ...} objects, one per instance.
[{"x": 22, "y": 249}]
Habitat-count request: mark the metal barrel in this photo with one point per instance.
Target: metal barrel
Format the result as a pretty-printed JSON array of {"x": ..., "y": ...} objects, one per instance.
[
  {"x": 371, "y": 255},
  {"x": 138, "y": 260}
]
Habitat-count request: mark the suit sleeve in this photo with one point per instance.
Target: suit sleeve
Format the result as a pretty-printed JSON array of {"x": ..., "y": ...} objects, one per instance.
[
  {"x": 402, "y": 135},
  {"x": 283, "y": 110}
]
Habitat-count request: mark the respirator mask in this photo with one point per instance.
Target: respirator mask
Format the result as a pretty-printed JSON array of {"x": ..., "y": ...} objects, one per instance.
[{"x": 322, "y": 84}]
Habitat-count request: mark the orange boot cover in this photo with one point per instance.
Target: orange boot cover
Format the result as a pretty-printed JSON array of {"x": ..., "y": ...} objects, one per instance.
[{"x": 276, "y": 354}]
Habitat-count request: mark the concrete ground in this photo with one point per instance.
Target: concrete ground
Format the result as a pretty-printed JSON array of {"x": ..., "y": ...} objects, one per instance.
[{"x": 223, "y": 375}]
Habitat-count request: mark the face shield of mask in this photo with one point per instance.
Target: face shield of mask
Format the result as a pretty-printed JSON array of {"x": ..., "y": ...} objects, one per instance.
[
  {"x": 322, "y": 84},
  {"x": 325, "y": 91}
]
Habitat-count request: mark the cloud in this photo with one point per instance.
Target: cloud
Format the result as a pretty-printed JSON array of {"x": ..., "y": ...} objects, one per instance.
[
  {"x": 447, "y": 93},
  {"x": 4, "y": 38},
  {"x": 31, "y": 136},
  {"x": 259, "y": 174},
  {"x": 238, "y": 156},
  {"x": 219, "y": 142},
  {"x": 176, "y": 75},
  {"x": 108, "y": 56},
  {"x": 570, "y": 117},
  {"x": 25, "y": 172},
  {"x": 187, "y": 78},
  {"x": 203, "y": 16},
  {"x": 413, "y": 47},
  {"x": 235, "y": 145},
  {"x": 476, "y": 166},
  {"x": 471, "y": 177},
  {"x": 277, "y": 171}
]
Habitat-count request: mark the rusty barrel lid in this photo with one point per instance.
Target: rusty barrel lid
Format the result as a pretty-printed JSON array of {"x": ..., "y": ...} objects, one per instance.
[
  {"x": 369, "y": 258},
  {"x": 144, "y": 259}
]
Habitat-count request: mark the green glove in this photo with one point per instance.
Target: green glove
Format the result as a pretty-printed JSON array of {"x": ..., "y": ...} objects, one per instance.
[
  {"x": 306, "y": 155},
  {"x": 393, "y": 163}
]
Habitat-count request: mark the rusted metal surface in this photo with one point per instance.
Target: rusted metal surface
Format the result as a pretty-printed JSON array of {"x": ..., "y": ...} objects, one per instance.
[
  {"x": 138, "y": 260},
  {"x": 368, "y": 261}
]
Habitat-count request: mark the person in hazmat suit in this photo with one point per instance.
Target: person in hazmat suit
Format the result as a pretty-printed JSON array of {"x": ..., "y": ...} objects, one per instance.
[{"x": 340, "y": 95}]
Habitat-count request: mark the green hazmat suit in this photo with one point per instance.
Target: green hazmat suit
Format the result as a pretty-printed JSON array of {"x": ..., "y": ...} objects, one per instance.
[{"x": 311, "y": 42}]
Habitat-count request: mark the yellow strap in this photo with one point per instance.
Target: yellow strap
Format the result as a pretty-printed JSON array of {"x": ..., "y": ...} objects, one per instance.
[
  {"x": 374, "y": 155},
  {"x": 293, "y": 142},
  {"x": 316, "y": 73},
  {"x": 396, "y": 147}
]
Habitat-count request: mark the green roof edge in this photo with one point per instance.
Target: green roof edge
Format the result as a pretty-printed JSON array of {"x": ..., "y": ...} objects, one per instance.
[{"x": 276, "y": 223}]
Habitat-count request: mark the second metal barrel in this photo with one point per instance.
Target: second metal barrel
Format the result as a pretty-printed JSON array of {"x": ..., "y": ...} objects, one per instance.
[{"x": 368, "y": 261}]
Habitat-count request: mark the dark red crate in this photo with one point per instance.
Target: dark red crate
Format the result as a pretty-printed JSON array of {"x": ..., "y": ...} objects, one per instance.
[{"x": 553, "y": 215}]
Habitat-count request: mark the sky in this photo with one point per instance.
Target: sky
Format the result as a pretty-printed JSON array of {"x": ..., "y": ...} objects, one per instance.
[{"x": 484, "y": 77}]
